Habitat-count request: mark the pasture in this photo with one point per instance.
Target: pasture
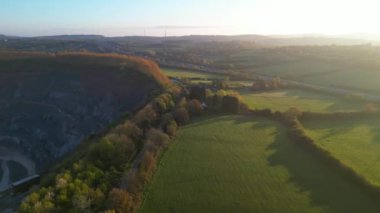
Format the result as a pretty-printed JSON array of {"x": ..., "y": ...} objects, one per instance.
[
  {"x": 246, "y": 164},
  {"x": 298, "y": 70},
  {"x": 355, "y": 142},
  {"x": 353, "y": 78},
  {"x": 179, "y": 73},
  {"x": 325, "y": 74},
  {"x": 283, "y": 99}
]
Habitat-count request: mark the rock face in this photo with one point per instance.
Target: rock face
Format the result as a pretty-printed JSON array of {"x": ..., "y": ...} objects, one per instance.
[{"x": 49, "y": 103}]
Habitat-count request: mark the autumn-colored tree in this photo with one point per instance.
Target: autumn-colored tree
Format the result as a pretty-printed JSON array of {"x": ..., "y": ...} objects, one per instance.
[
  {"x": 182, "y": 102},
  {"x": 195, "y": 107},
  {"x": 120, "y": 200},
  {"x": 129, "y": 129},
  {"x": 181, "y": 115},
  {"x": 163, "y": 102},
  {"x": 157, "y": 137},
  {"x": 148, "y": 162},
  {"x": 146, "y": 117},
  {"x": 171, "y": 128}
]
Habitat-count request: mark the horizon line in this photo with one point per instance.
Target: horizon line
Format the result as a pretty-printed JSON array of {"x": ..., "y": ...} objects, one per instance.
[{"x": 315, "y": 35}]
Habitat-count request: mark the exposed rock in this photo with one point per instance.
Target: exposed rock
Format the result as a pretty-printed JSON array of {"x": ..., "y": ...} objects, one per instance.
[{"x": 46, "y": 109}]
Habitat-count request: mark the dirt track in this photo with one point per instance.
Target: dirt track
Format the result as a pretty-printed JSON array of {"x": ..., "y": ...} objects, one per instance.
[{"x": 8, "y": 155}]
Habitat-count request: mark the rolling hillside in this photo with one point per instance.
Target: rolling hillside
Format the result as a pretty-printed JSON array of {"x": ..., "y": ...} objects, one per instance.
[{"x": 51, "y": 102}]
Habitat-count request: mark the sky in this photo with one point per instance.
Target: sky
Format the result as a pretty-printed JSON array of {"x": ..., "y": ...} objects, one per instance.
[{"x": 186, "y": 17}]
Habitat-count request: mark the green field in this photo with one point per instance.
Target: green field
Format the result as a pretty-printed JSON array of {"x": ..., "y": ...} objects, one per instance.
[
  {"x": 178, "y": 73},
  {"x": 356, "y": 143},
  {"x": 242, "y": 164},
  {"x": 325, "y": 74},
  {"x": 283, "y": 99},
  {"x": 368, "y": 80},
  {"x": 298, "y": 70}
]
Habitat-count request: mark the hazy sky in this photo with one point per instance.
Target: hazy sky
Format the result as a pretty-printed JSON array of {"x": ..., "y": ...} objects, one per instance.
[{"x": 183, "y": 17}]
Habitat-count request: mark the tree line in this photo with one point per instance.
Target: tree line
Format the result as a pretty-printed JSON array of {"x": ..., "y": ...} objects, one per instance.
[
  {"x": 114, "y": 171},
  {"x": 291, "y": 120}
]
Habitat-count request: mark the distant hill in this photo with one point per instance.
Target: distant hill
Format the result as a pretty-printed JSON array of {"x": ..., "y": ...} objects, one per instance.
[
  {"x": 275, "y": 40},
  {"x": 7, "y": 37},
  {"x": 299, "y": 40},
  {"x": 72, "y": 37},
  {"x": 363, "y": 36},
  {"x": 50, "y": 102}
]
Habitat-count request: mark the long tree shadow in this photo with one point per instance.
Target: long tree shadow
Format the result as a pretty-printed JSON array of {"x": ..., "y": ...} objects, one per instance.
[
  {"x": 326, "y": 187},
  {"x": 344, "y": 126},
  {"x": 209, "y": 119}
]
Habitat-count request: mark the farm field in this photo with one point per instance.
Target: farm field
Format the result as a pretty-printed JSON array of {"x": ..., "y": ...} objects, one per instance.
[
  {"x": 355, "y": 143},
  {"x": 188, "y": 74},
  {"x": 245, "y": 164},
  {"x": 283, "y": 99},
  {"x": 366, "y": 80},
  {"x": 325, "y": 74},
  {"x": 298, "y": 70}
]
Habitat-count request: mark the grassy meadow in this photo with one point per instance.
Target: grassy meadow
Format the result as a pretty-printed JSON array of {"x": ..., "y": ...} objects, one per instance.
[
  {"x": 245, "y": 164},
  {"x": 326, "y": 74},
  {"x": 283, "y": 99},
  {"x": 178, "y": 73},
  {"x": 353, "y": 78},
  {"x": 297, "y": 70},
  {"x": 355, "y": 142}
]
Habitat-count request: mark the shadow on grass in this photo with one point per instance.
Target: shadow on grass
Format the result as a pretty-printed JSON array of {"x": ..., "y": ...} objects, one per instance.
[
  {"x": 208, "y": 119},
  {"x": 343, "y": 105},
  {"x": 343, "y": 126},
  {"x": 326, "y": 187},
  {"x": 331, "y": 103}
]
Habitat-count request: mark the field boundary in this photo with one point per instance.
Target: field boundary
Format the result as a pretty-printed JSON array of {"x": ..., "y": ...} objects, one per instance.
[{"x": 296, "y": 131}]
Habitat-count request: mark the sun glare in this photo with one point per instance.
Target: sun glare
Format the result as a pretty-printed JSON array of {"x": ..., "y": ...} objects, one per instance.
[{"x": 299, "y": 16}]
